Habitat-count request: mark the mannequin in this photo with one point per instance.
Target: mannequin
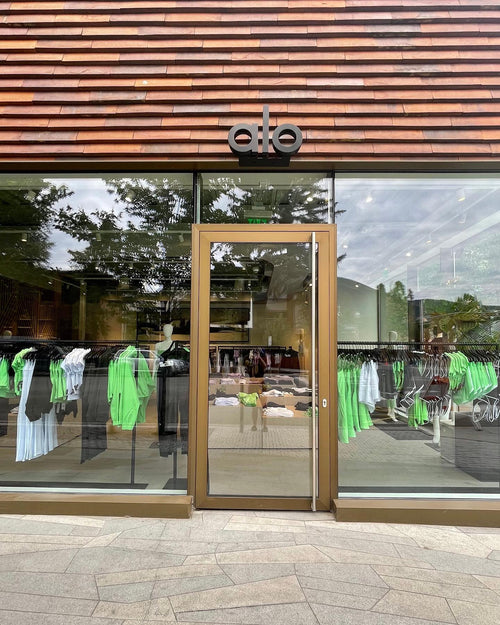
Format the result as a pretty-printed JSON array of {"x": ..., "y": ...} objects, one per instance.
[
  {"x": 172, "y": 393},
  {"x": 162, "y": 346}
]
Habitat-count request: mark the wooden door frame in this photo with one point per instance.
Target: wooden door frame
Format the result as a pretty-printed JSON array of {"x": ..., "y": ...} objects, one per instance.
[{"x": 202, "y": 237}]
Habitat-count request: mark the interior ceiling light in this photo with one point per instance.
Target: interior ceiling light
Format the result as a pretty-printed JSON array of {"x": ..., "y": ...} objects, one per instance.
[
  {"x": 408, "y": 253},
  {"x": 369, "y": 198},
  {"x": 461, "y": 195}
]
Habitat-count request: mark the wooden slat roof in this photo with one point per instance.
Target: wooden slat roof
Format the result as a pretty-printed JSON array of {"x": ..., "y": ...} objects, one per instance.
[{"x": 151, "y": 79}]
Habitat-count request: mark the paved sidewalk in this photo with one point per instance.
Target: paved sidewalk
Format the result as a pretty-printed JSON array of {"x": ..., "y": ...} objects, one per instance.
[{"x": 269, "y": 568}]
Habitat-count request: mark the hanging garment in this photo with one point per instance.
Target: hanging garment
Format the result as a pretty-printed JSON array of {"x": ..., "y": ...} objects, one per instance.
[
  {"x": 95, "y": 409},
  {"x": 4, "y": 416},
  {"x": 353, "y": 416},
  {"x": 130, "y": 385},
  {"x": 34, "y": 438},
  {"x": 38, "y": 400},
  {"x": 59, "y": 391},
  {"x": 73, "y": 366},
  {"x": 369, "y": 393}
]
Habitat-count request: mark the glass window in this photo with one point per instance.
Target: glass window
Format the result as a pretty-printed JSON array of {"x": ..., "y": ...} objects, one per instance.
[
  {"x": 268, "y": 198},
  {"x": 419, "y": 334},
  {"x": 94, "y": 330}
]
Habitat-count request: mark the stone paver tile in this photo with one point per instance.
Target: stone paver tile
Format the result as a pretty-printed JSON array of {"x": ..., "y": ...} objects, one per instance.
[
  {"x": 342, "y": 587},
  {"x": 445, "y": 539},
  {"x": 160, "y": 610},
  {"x": 66, "y": 520},
  {"x": 54, "y": 584},
  {"x": 415, "y": 605},
  {"x": 169, "y": 587},
  {"x": 186, "y": 533},
  {"x": 8, "y": 617},
  {"x": 339, "y": 599},
  {"x": 479, "y": 530},
  {"x": 447, "y": 561},
  {"x": 138, "y": 544},
  {"x": 490, "y": 582},
  {"x": 494, "y": 555},
  {"x": 127, "y": 593},
  {"x": 297, "y": 516},
  {"x": 325, "y": 541},
  {"x": 52, "y": 539},
  {"x": 41, "y": 561},
  {"x": 145, "y": 575},
  {"x": 358, "y": 557},
  {"x": 151, "y": 531},
  {"x": 339, "y": 532},
  {"x": 428, "y": 575},
  {"x": 240, "y": 536},
  {"x": 474, "y": 614},
  {"x": 224, "y": 547},
  {"x": 298, "y": 553},
  {"x": 110, "y": 609},
  {"x": 243, "y": 573},
  {"x": 81, "y": 530},
  {"x": 102, "y": 541},
  {"x": 13, "y": 548},
  {"x": 354, "y": 573},
  {"x": 185, "y": 548},
  {"x": 124, "y": 524},
  {"x": 264, "y": 527},
  {"x": 43, "y": 603},
  {"x": 282, "y": 614},
  {"x": 332, "y": 615},
  {"x": 278, "y": 590},
  {"x": 382, "y": 529},
  {"x": 259, "y": 520},
  {"x": 20, "y": 526},
  {"x": 204, "y": 558},
  {"x": 492, "y": 541},
  {"x": 439, "y": 589},
  {"x": 108, "y": 559}
]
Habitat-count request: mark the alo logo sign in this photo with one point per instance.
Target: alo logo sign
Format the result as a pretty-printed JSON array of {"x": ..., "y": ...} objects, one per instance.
[{"x": 248, "y": 152}]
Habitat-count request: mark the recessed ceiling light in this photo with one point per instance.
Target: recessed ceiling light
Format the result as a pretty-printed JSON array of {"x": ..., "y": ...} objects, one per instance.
[{"x": 408, "y": 253}]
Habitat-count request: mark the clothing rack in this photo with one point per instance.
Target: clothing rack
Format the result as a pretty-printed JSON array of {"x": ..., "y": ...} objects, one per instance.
[{"x": 19, "y": 342}]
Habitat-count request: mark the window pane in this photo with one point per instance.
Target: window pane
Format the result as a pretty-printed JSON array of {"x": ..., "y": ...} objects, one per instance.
[
  {"x": 100, "y": 264},
  {"x": 268, "y": 198},
  {"x": 418, "y": 286}
]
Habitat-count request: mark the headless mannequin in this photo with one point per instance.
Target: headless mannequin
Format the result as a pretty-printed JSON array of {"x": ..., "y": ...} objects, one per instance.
[
  {"x": 172, "y": 395},
  {"x": 162, "y": 346}
]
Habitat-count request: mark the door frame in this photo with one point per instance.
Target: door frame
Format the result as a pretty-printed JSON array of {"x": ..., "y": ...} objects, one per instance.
[{"x": 202, "y": 236}]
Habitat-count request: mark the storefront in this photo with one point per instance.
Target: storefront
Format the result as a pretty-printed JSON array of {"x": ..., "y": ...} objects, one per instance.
[{"x": 285, "y": 296}]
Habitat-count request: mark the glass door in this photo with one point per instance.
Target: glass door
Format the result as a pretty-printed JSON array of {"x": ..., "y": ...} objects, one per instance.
[{"x": 263, "y": 302}]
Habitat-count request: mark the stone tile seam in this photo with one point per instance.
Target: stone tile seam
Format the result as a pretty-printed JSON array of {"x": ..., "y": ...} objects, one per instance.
[
  {"x": 424, "y": 594},
  {"x": 333, "y": 580}
]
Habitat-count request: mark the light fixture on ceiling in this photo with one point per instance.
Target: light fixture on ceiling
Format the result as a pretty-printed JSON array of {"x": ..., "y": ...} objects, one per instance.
[
  {"x": 24, "y": 237},
  {"x": 369, "y": 197},
  {"x": 460, "y": 194},
  {"x": 345, "y": 247},
  {"x": 408, "y": 254}
]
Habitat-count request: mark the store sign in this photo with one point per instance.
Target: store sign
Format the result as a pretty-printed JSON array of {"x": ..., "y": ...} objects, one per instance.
[{"x": 248, "y": 152}]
